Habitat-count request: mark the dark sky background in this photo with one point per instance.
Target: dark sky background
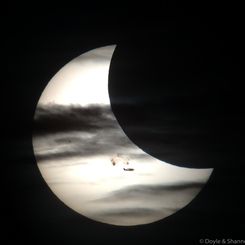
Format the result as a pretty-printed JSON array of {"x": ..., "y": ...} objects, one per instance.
[{"x": 176, "y": 88}]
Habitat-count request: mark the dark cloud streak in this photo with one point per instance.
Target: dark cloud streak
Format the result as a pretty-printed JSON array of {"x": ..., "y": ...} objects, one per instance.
[
  {"x": 74, "y": 131},
  {"x": 131, "y": 212},
  {"x": 53, "y": 118}
]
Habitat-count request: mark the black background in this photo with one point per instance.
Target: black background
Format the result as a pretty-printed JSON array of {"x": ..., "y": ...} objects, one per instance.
[{"x": 176, "y": 88}]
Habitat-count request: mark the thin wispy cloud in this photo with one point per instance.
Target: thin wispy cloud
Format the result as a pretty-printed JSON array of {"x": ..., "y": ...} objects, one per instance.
[
  {"x": 97, "y": 56},
  {"x": 141, "y": 192}
]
